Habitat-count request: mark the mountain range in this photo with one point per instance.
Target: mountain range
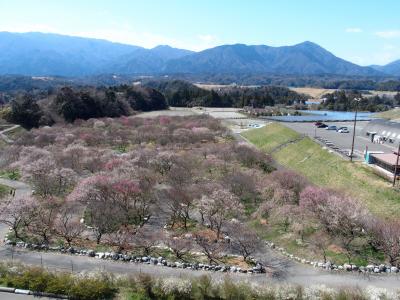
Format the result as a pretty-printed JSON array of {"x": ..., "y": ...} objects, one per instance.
[{"x": 45, "y": 54}]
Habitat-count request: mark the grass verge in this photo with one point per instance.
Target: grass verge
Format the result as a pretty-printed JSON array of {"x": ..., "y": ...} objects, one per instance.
[
  {"x": 4, "y": 190},
  {"x": 271, "y": 136},
  {"x": 389, "y": 114},
  {"x": 327, "y": 169}
]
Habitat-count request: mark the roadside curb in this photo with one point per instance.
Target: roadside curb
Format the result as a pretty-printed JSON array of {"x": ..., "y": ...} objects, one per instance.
[{"x": 29, "y": 292}]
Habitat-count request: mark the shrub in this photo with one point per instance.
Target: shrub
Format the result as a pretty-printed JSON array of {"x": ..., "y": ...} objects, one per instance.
[{"x": 92, "y": 288}]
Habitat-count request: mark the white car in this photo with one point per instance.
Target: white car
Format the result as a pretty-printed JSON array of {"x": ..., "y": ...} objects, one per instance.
[{"x": 343, "y": 130}]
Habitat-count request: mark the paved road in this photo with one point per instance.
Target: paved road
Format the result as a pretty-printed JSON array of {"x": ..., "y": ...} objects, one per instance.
[
  {"x": 342, "y": 140},
  {"x": 6, "y": 138},
  {"x": 10, "y": 296},
  {"x": 292, "y": 272}
]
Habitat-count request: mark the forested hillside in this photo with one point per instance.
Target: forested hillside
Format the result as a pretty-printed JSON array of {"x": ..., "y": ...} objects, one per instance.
[
  {"x": 69, "y": 104},
  {"x": 182, "y": 93}
]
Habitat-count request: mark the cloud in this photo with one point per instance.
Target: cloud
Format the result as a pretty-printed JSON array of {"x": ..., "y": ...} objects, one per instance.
[
  {"x": 204, "y": 41},
  {"x": 354, "y": 30},
  {"x": 388, "y": 34}
]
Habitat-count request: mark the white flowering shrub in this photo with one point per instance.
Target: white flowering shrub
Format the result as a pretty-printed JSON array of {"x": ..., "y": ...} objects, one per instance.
[{"x": 176, "y": 286}]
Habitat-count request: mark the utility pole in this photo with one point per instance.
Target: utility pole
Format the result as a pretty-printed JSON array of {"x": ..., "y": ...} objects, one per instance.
[
  {"x": 395, "y": 167},
  {"x": 354, "y": 129}
]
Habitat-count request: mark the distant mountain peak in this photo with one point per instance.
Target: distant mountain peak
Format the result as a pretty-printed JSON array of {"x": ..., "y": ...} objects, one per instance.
[{"x": 47, "y": 54}]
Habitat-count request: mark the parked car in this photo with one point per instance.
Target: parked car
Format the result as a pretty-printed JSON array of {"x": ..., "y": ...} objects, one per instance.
[
  {"x": 343, "y": 130},
  {"x": 322, "y": 125},
  {"x": 331, "y": 127},
  {"x": 318, "y": 124}
]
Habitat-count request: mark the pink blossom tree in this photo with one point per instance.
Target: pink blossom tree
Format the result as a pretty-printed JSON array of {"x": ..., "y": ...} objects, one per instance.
[
  {"x": 386, "y": 237},
  {"x": 17, "y": 213}
]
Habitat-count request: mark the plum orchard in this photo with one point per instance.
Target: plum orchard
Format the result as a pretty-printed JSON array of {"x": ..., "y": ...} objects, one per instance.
[{"x": 181, "y": 182}]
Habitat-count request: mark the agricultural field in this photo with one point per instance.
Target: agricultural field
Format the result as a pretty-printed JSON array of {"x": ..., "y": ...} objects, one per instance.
[{"x": 315, "y": 93}]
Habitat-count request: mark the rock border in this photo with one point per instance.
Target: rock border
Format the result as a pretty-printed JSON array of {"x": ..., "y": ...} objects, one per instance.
[
  {"x": 149, "y": 260},
  {"x": 372, "y": 268}
]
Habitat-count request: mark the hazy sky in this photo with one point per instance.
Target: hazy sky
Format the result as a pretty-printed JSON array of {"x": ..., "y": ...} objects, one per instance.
[{"x": 362, "y": 31}]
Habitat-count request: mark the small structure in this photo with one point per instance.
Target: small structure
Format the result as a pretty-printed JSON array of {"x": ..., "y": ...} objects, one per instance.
[
  {"x": 382, "y": 131},
  {"x": 386, "y": 161}
]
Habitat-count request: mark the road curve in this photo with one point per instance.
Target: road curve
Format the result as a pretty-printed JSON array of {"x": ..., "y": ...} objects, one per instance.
[
  {"x": 293, "y": 272},
  {"x": 5, "y": 137}
]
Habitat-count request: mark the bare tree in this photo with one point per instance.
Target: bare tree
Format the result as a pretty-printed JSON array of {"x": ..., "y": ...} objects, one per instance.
[
  {"x": 146, "y": 239},
  {"x": 179, "y": 245},
  {"x": 179, "y": 204},
  {"x": 67, "y": 224},
  {"x": 211, "y": 247},
  {"x": 243, "y": 240},
  {"x": 122, "y": 238},
  {"x": 320, "y": 241}
]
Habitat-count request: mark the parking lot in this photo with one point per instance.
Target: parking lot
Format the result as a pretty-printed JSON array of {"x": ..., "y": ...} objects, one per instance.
[{"x": 341, "y": 141}]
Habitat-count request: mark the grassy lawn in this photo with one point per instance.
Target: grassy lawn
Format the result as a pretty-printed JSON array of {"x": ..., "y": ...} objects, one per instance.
[
  {"x": 16, "y": 133},
  {"x": 10, "y": 174},
  {"x": 4, "y": 190},
  {"x": 328, "y": 170},
  {"x": 269, "y": 137}
]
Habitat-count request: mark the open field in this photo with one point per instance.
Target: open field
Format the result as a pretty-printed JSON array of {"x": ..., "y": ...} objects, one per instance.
[
  {"x": 327, "y": 169},
  {"x": 221, "y": 86},
  {"x": 393, "y": 114},
  {"x": 3, "y": 190},
  {"x": 313, "y": 92},
  {"x": 319, "y": 92}
]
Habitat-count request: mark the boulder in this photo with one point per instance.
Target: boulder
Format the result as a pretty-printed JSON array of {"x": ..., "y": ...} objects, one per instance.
[
  {"x": 328, "y": 265},
  {"x": 259, "y": 268},
  {"x": 347, "y": 267},
  {"x": 382, "y": 268}
]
